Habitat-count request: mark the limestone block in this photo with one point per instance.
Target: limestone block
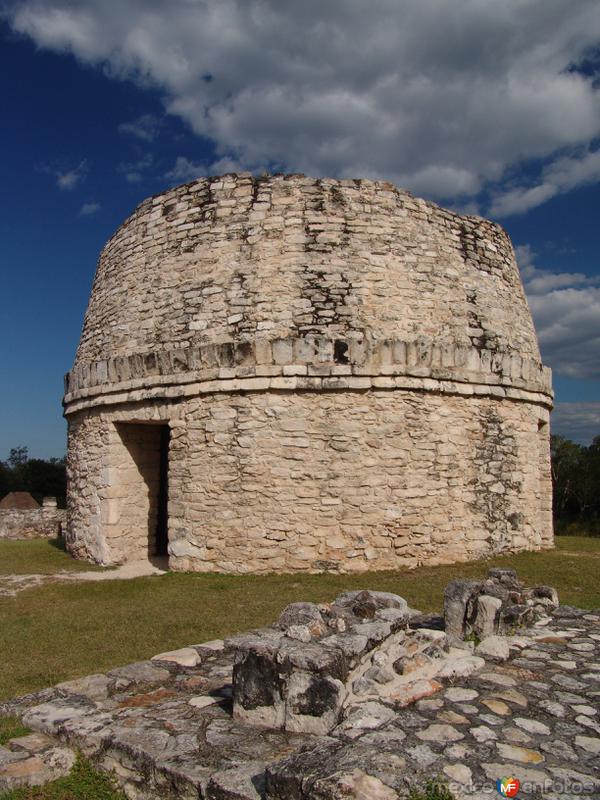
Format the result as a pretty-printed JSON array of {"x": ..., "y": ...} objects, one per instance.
[
  {"x": 487, "y": 616},
  {"x": 456, "y": 600}
]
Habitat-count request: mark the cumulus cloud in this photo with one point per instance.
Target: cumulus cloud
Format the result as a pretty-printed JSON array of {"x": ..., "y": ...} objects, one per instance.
[
  {"x": 146, "y": 127},
  {"x": 87, "y": 209},
  {"x": 184, "y": 170},
  {"x": 444, "y": 98},
  {"x": 557, "y": 177},
  {"x": 577, "y": 421},
  {"x": 69, "y": 179},
  {"x": 566, "y": 311}
]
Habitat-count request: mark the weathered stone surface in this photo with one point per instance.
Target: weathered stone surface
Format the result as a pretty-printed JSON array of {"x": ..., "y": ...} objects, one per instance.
[
  {"x": 38, "y": 761},
  {"x": 313, "y": 703},
  {"x": 532, "y": 725},
  {"x": 487, "y": 614},
  {"x": 520, "y": 754},
  {"x": 459, "y": 695},
  {"x": 94, "y": 687},
  {"x": 43, "y": 522},
  {"x": 460, "y": 667},
  {"x": 245, "y": 782},
  {"x": 495, "y": 647},
  {"x": 177, "y": 737},
  {"x": 440, "y": 734},
  {"x": 456, "y": 601},
  {"x": 364, "y": 717},
  {"x": 496, "y": 605},
  {"x": 185, "y": 657},
  {"x": 589, "y": 743},
  {"x": 274, "y": 326},
  {"x": 496, "y": 706},
  {"x": 306, "y": 615},
  {"x": 460, "y": 773},
  {"x": 139, "y": 673},
  {"x": 408, "y": 693},
  {"x": 482, "y": 733}
]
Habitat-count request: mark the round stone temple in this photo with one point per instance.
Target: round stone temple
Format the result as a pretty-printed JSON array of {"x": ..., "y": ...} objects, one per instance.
[{"x": 284, "y": 373}]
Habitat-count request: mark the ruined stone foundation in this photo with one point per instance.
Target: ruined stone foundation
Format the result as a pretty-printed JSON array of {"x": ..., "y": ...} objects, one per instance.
[{"x": 291, "y": 374}]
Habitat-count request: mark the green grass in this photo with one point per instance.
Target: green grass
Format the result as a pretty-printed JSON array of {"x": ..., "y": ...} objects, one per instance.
[
  {"x": 11, "y": 727},
  {"x": 60, "y": 631},
  {"x": 83, "y": 783},
  {"x": 433, "y": 790},
  {"x": 40, "y": 556},
  {"x": 578, "y": 544}
]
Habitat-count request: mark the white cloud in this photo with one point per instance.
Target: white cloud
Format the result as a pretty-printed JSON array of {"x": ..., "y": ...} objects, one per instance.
[
  {"x": 577, "y": 421},
  {"x": 566, "y": 312},
  {"x": 87, "y": 209},
  {"x": 69, "y": 179},
  {"x": 134, "y": 170},
  {"x": 184, "y": 170},
  {"x": 443, "y": 97},
  {"x": 559, "y": 176},
  {"x": 146, "y": 127}
]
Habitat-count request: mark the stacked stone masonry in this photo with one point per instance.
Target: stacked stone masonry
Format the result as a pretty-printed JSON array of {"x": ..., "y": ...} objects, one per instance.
[
  {"x": 31, "y": 523},
  {"x": 349, "y": 376}
]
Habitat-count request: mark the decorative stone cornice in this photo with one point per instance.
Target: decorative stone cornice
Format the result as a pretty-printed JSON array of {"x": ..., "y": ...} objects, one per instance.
[{"x": 307, "y": 364}]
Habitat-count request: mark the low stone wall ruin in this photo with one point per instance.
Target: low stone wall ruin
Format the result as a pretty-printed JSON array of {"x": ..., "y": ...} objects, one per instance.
[
  {"x": 320, "y": 666},
  {"x": 32, "y": 523}
]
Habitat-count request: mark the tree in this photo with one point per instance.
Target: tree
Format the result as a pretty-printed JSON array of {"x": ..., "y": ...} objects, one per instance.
[
  {"x": 40, "y": 477},
  {"x": 566, "y": 459},
  {"x": 5, "y": 479},
  {"x": 18, "y": 456},
  {"x": 576, "y": 484}
]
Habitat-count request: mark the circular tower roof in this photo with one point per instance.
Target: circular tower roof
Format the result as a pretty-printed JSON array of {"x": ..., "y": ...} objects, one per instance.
[{"x": 224, "y": 276}]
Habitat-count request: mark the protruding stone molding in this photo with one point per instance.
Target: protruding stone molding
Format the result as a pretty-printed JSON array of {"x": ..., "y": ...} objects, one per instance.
[
  {"x": 181, "y": 390},
  {"x": 318, "y": 357}
]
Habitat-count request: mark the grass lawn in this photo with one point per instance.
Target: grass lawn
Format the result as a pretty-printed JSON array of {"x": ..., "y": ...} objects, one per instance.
[
  {"x": 41, "y": 556},
  {"x": 61, "y": 631}
]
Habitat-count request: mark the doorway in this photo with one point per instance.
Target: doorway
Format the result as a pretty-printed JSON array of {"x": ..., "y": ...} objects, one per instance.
[{"x": 141, "y": 521}]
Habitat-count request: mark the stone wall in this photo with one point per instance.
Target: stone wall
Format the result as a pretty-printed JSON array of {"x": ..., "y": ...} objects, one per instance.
[
  {"x": 350, "y": 377},
  {"x": 32, "y": 523},
  {"x": 239, "y": 258},
  {"x": 263, "y": 482}
]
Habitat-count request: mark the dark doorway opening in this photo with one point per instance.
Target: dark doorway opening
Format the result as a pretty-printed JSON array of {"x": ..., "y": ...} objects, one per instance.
[
  {"x": 139, "y": 511},
  {"x": 162, "y": 516}
]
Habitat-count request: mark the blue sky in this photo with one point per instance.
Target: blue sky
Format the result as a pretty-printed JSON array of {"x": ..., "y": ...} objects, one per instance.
[{"x": 484, "y": 107}]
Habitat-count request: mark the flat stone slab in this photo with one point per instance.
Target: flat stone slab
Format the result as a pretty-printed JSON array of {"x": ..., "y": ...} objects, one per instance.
[
  {"x": 167, "y": 730},
  {"x": 185, "y": 657}
]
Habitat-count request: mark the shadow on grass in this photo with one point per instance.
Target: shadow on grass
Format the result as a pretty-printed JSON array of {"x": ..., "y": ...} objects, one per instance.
[{"x": 58, "y": 543}]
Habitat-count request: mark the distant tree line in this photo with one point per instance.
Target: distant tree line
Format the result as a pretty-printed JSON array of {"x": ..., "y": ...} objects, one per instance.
[
  {"x": 40, "y": 477},
  {"x": 576, "y": 485}
]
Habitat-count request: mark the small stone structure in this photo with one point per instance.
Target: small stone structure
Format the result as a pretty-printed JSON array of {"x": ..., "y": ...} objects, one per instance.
[
  {"x": 286, "y": 373},
  {"x": 21, "y": 517},
  {"x": 361, "y": 699},
  {"x": 321, "y": 664}
]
